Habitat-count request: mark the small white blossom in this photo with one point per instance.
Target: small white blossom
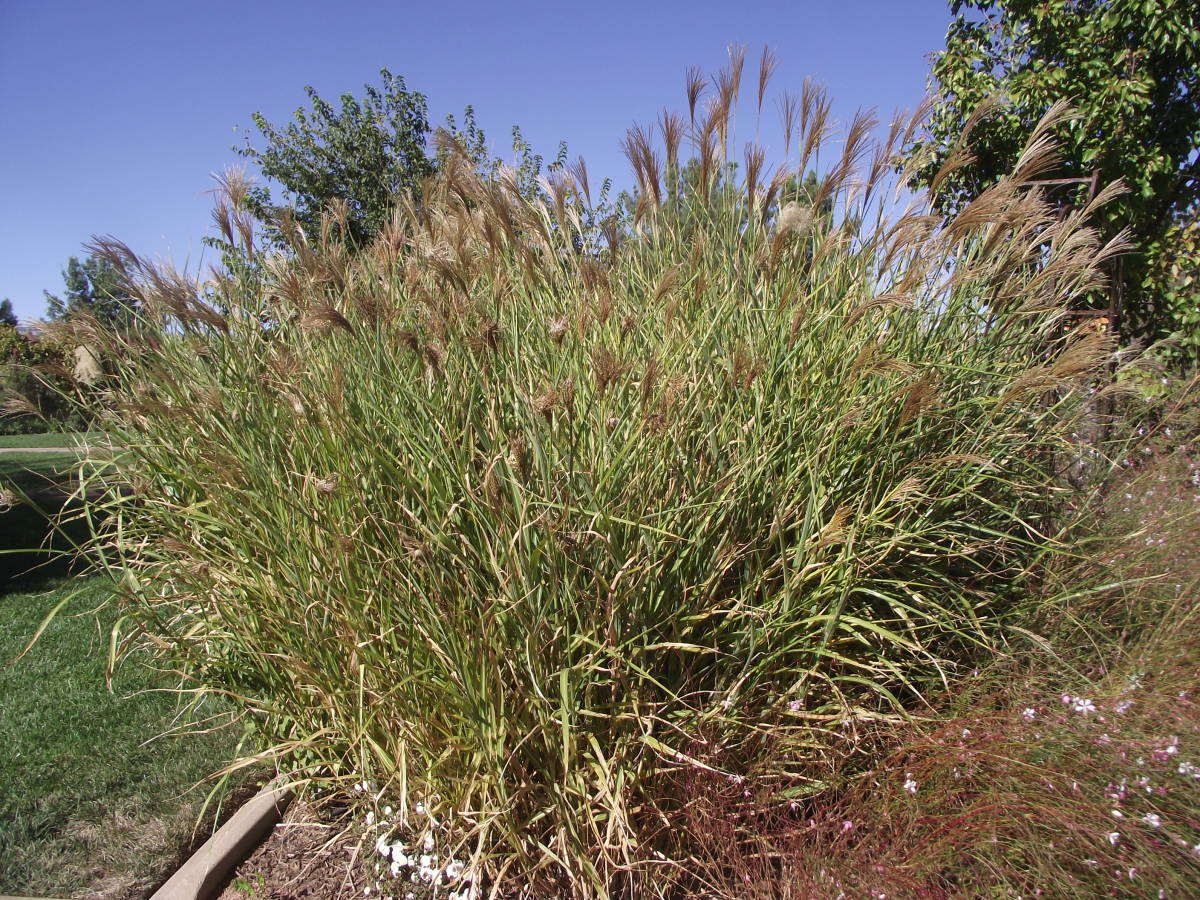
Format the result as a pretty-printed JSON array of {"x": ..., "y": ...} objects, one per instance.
[
  {"x": 1029, "y": 714},
  {"x": 1113, "y": 837},
  {"x": 1152, "y": 820},
  {"x": 909, "y": 784}
]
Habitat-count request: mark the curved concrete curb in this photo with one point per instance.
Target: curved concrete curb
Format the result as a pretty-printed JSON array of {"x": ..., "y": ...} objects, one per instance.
[{"x": 205, "y": 872}]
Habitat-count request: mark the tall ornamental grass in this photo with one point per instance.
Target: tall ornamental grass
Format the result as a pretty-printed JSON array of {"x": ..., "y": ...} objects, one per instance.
[{"x": 527, "y": 522}]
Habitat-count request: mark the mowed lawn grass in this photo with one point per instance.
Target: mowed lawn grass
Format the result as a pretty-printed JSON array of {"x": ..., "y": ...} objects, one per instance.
[
  {"x": 49, "y": 439},
  {"x": 95, "y": 798}
]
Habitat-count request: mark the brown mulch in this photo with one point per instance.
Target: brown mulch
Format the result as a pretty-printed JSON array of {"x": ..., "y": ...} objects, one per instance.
[{"x": 312, "y": 854}]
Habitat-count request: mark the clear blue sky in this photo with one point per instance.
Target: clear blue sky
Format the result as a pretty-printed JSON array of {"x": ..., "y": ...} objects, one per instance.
[{"x": 116, "y": 113}]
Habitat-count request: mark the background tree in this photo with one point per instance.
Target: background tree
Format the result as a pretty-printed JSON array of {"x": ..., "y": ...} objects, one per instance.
[
  {"x": 91, "y": 286},
  {"x": 7, "y": 316},
  {"x": 367, "y": 154},
  {"x": 1131, "y": 70}
]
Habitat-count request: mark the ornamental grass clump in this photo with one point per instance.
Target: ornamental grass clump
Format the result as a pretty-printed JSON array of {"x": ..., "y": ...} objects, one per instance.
[{"x": 525, "y": 521}]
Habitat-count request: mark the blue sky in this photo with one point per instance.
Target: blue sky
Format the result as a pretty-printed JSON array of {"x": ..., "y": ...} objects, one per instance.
[{"x": 117, "y": 113}]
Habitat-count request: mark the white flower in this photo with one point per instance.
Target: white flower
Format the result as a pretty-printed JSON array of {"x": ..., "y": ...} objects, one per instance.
[
  {"x": 909, "y": 784},
  {"x": 1083, "y": 705},
  {"x": 1117, "y": 814},
  {"x": 1152, "y": 820},
  {"x": 429, "y": 843},
  {"x": 1113, "y": 837},
  {"x": 1029, "y": 714},
  {"x": 382, "y": 847},
  {"x": 454, "y": 870}
]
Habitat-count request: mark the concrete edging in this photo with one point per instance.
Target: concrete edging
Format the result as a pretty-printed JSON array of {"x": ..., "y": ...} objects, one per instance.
[{"x": 206, "y": 870}]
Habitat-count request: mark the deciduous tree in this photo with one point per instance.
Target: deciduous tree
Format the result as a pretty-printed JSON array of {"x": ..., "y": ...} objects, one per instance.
[{"x": 1131, "y": 71}]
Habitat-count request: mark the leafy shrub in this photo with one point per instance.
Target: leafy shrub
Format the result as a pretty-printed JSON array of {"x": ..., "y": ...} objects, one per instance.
[
  {"x": 35, "y": 383},
  {"x": 525, "y": 524}
]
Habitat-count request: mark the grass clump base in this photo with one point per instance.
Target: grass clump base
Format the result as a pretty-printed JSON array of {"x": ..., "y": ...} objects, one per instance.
[{"x": 538, "y": 526}]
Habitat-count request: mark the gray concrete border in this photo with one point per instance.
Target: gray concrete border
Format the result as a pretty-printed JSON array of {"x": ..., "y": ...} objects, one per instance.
[{"x": 208, "y": 868}]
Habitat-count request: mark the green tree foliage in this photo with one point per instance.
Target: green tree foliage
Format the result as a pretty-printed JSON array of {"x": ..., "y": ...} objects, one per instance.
[
  {"x": 91, "y": 286},
  {"x": 34, "y": 384},
  {"x": 365, "y": 154},
  {"x": 363, "y": 158},
  {"x": 1131, "y": 71}
]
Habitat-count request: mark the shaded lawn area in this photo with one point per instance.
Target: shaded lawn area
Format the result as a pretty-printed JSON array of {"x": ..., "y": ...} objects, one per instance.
[
  {"x": 29, "y": 472},
  {"x": 90, "y": 800}
]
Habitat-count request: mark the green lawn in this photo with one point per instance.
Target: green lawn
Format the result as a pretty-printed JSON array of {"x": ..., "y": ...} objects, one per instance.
[
  {"x": 50, "y": 439},
  {"x": 23, "y": 525},
  {"x": 91, "y": 799}
]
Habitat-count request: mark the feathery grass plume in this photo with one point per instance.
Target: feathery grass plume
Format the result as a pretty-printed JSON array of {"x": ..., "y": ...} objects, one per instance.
[
  {"x": 815, "y": 126},
  {"x": 788, "y": 111},
  {"x": 597, "y": 523},
  {"x": 578, "y": 171},
  {"x": 766, "y": 68},
  {"x": 755, "y": 157},
  {"x": 695, "y": 83},
  {"x": 638, "y": 147},
  {"x": 670, "y": 126}
]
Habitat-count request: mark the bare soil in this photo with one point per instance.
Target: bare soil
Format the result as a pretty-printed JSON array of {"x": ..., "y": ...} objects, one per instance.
[{"x": 312, "y": 854}]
